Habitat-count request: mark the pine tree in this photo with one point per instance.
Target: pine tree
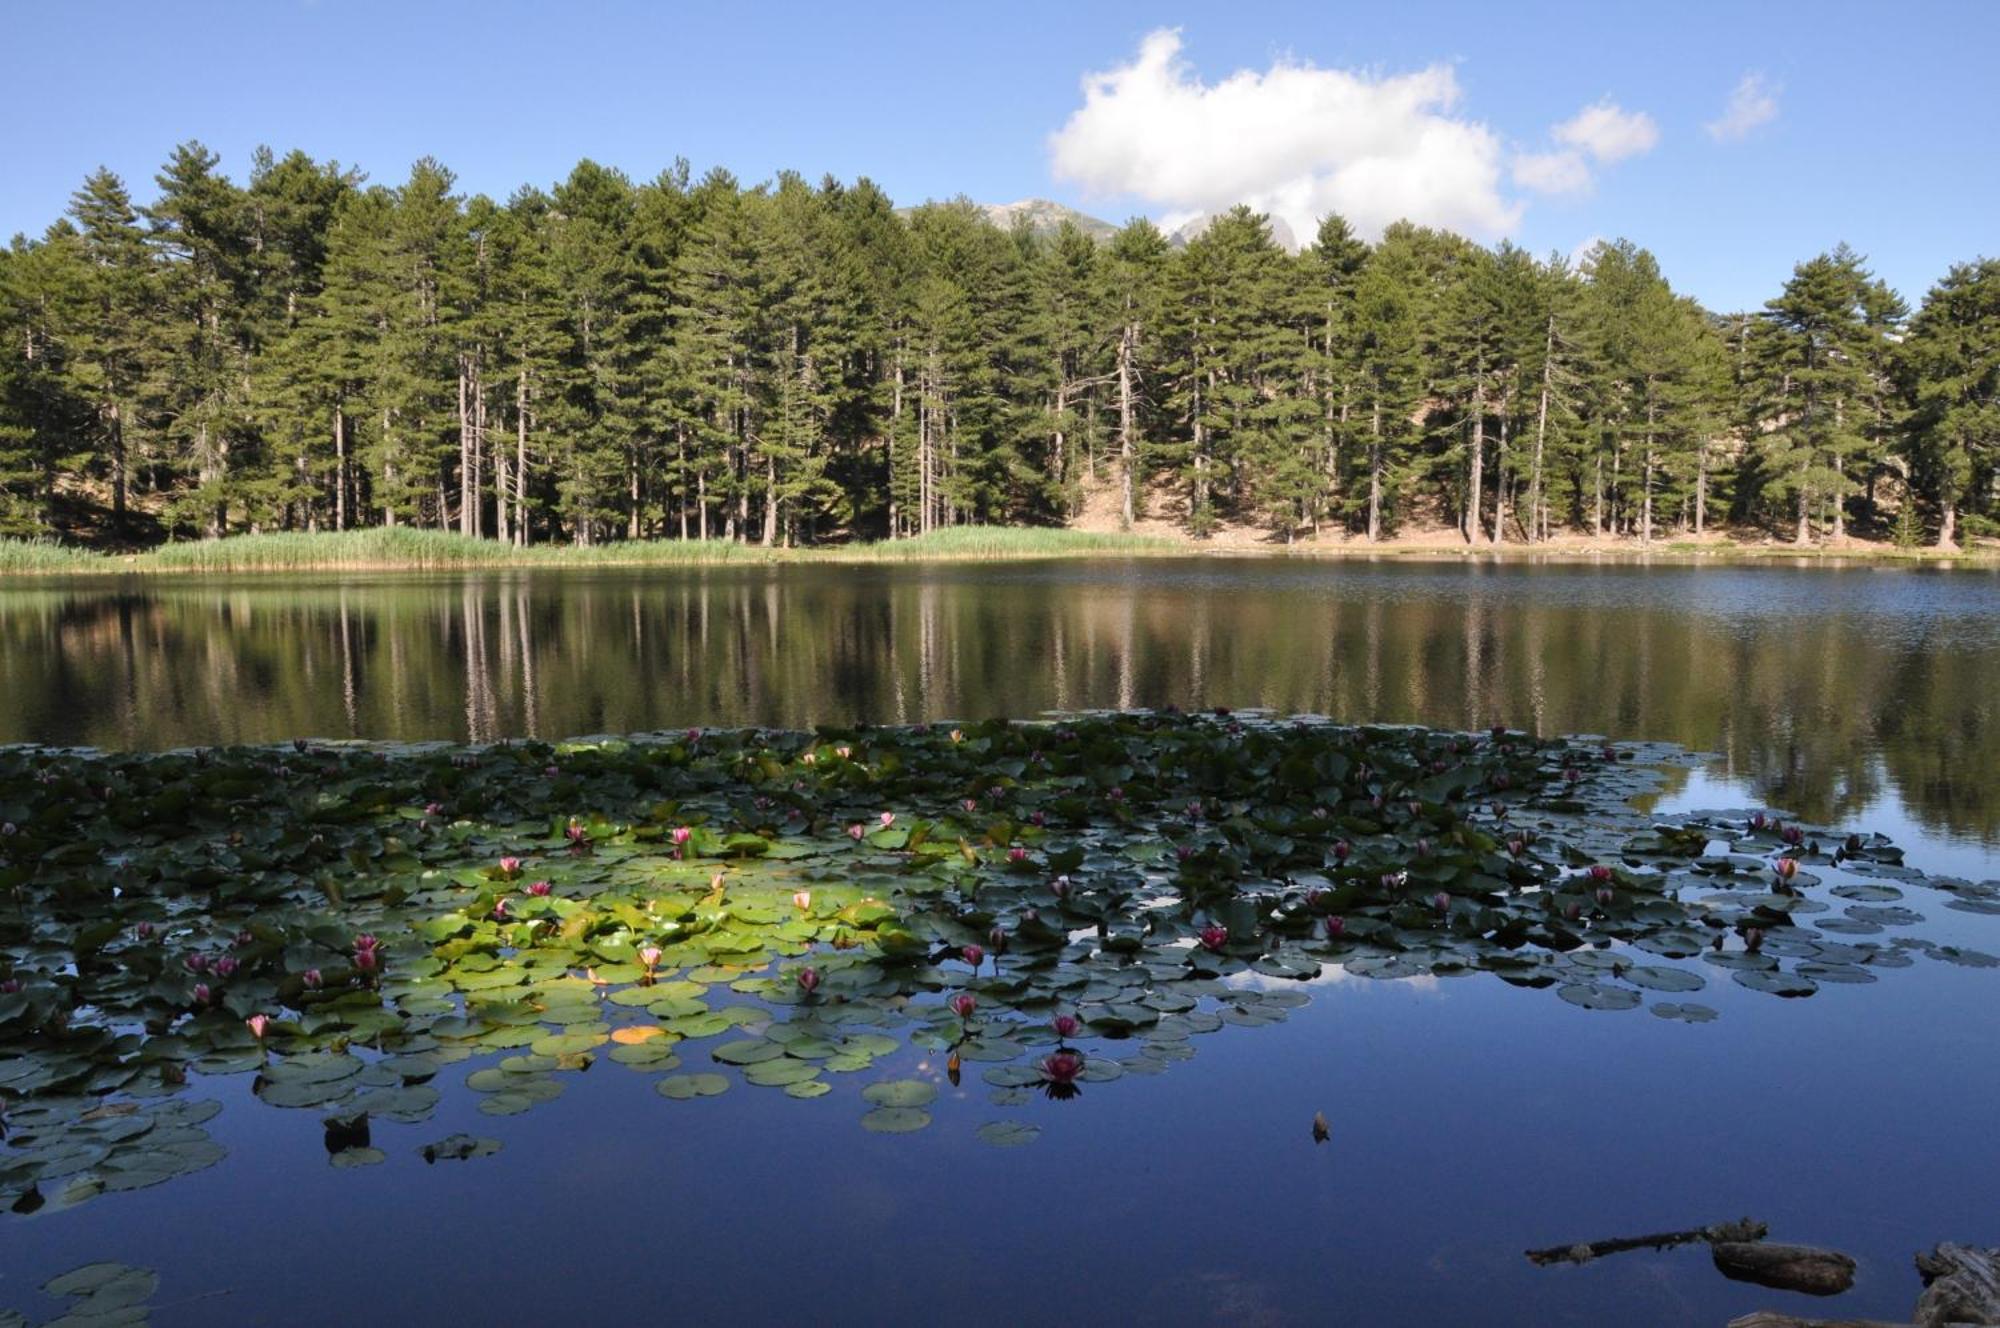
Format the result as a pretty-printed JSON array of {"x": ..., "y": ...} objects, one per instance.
[{"x": 1952, "y": 371}]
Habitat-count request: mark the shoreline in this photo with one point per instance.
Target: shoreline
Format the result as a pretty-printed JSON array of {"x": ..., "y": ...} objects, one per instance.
[{"x": 380, "y": 551}]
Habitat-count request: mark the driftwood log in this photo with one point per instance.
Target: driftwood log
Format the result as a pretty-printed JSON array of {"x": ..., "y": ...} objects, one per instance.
[
  {"x": 1961, "y": 1286},
  {"x": 1583, "y": 1252},
  {"x": 1803, "y": 1268},
  {"x": 1961, "y": 1290}
]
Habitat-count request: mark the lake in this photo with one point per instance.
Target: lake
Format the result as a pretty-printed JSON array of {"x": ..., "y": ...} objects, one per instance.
[{"x": 1469, "y": 1119}]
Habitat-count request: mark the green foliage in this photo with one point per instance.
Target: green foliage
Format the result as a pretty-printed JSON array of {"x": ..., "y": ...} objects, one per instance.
[{"x": 793, "y": 364}]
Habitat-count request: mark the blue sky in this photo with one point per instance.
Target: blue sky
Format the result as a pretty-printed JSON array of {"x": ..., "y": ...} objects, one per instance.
[{"x": 1873, "y": 124}]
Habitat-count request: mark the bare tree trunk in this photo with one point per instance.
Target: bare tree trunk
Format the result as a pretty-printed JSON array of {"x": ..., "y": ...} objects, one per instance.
[
  {"x": 465, "y": 480},
  {"x": 770, "y": 500},
  {"x": 521, "y": 462},
  {"x": 1375, "y": 474},
  {"x": 1538, "y": 525},
  {"x": 895, "y": 422},
  {"x": 339, "y": 469},
  {"x": 1947, "y": 519},
  {"x": 1127, "y": 459},
  {"x": 1804, "y": 533},
  {"x": 1500, "y": 481},
  {"x": 1476, "y": 481}
]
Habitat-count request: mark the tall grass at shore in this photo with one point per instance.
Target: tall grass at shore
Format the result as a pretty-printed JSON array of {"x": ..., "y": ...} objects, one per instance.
[{"x": 433, "y": 550}]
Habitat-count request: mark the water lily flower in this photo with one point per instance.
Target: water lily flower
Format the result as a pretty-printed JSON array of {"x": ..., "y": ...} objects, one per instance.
[
  {"x": 855, "y": 831},
  {"x": 1441, "y": 901},
  {"x": 887, "y": 819},
  {"x": 1314, "y": 898},
  {"x": 1600, "y": 873},
  {"x": 1516, "y": 847},
  {"x": 1061, "y": 1068},
  {"x": 802, "y": 900},
  {"x": 1573, "y": 910},
  {"x": 1335, "y": 927},
  {"x": 196, "y": 962},
  {"x": 258, "y": 1024},
  {"x": 694, "y": 735},
  {"x": 1341, "y": 849},
  {"x": 539, "y": 889},
  {"x": 1061, "y": 886},
  {"x": 649, "y": 957},
  {"x": 1065, "y": 1026},
  {"x": 1793, "y": 835},
  {"x": 1572, "y": 774},
  {"x": 367, "y": 961},
  {"x": 970, "y": 804},
  {"x": 11, "y": 986},
  {"x": 510, "y": 867},
  {"x": 1423, "y": 848},
  {"x": 1786, "y": 868},
  {"x": 957, "y": 736},
  {"x": 843, "y": 752},
  {"x": 997, "y": 938},
  {"x": 1116, "y": 794},
  {"x": 810, "y": 758},
  {"x": 972, "y": 954},
  {"x": 312, "y": 979},
  {"x": 1753, "y": 939},
  {"x": 1394, "y": 880},
  {"x": 202, "y": 994},
  {"x": 808, "y": 980},
  {"x": 575, "y": 831},
  {"x": 1214, "y": 937},
  {"x": 1759, "y": 821},
  {"x": 226, "y": 966},
  {"x": 963, "y": 1004},
  {"x": 1183, "y": 852},
  {"x": 144, "y": 931},
  {"x": 500, "y": 910},
  {"x": 1038, "y": 817},
  {"x": 1017, "y": 854},
  {"x": 1605, "y": 895}
]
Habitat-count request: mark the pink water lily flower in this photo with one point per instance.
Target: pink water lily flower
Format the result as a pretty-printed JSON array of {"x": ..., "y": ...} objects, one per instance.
[
  {"x": 963, "y": 1004},
  {"x": 856, "y": 831},
  {"x": 539, "y": 889},
  {"x": 1017, "y": 854},
  {"x": 802, "y": 900},
  {"x": 1786, "y": 868},
  {"x": 682, "y": 834},
  {"x": 202, "y": 994},
  {"x": 500, "y": 913},
  {"x": 888, "y": 819},
  {"x": 1214, "y": 937},
  {"x": 1335, "y": 927},
  {"x": 258, "y": 1024},
  {"x": 226, "y": 966},
  {"x": 1065, "y": 1026},
  {"x": 1062, "y": 1068},
  {"x": 510, "y": 867},
  {"x": 1441, "y": 901},
  {"x": 808, "y": 980},
  {"x": 195, "y": 963},
  {"x": 649, "y": 957},
  {"x": 312, "y": 979},
  {"x": 1600, "y": 873},
  {"x": 973, "y": 954}
]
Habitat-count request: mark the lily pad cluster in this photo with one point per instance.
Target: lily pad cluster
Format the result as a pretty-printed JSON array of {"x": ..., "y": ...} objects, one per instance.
[{"x": 856, "y": 914}]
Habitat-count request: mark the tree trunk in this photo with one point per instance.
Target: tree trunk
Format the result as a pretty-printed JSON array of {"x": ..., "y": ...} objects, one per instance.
[
  {"x": 1804, "y": 534},
  {"x": 465, "y": 479},
  {"x": 1127, "y": 460},
  {"x": 1947, "y": 521},
  {"x": 1538, "y": 525},
  {"x": 1500, "y": 480},
  {"x": 1476, "y": 480},
  {"x": 339, "y": 469},
  {"x": 1375, "y": 473}
]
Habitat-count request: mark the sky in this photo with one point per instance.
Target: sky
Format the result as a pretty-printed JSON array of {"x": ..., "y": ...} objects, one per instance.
[{"x": 1732, "y": 140}]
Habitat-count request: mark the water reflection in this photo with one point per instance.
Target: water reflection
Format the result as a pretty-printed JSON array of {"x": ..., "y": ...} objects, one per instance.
[{"x": 1824, "y": 691}]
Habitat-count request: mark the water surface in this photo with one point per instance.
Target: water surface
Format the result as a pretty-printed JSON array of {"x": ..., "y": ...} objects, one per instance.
[{"x": 1470, "y": 1120}]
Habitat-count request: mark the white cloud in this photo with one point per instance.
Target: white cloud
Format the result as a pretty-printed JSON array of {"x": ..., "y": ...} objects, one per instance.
[
  {"x": 1560, "y": 172},
  {"x": 1294, "y": 140},
  {"x": 1609, "y": 133},
  {"x": 1753, "y": 103}
]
